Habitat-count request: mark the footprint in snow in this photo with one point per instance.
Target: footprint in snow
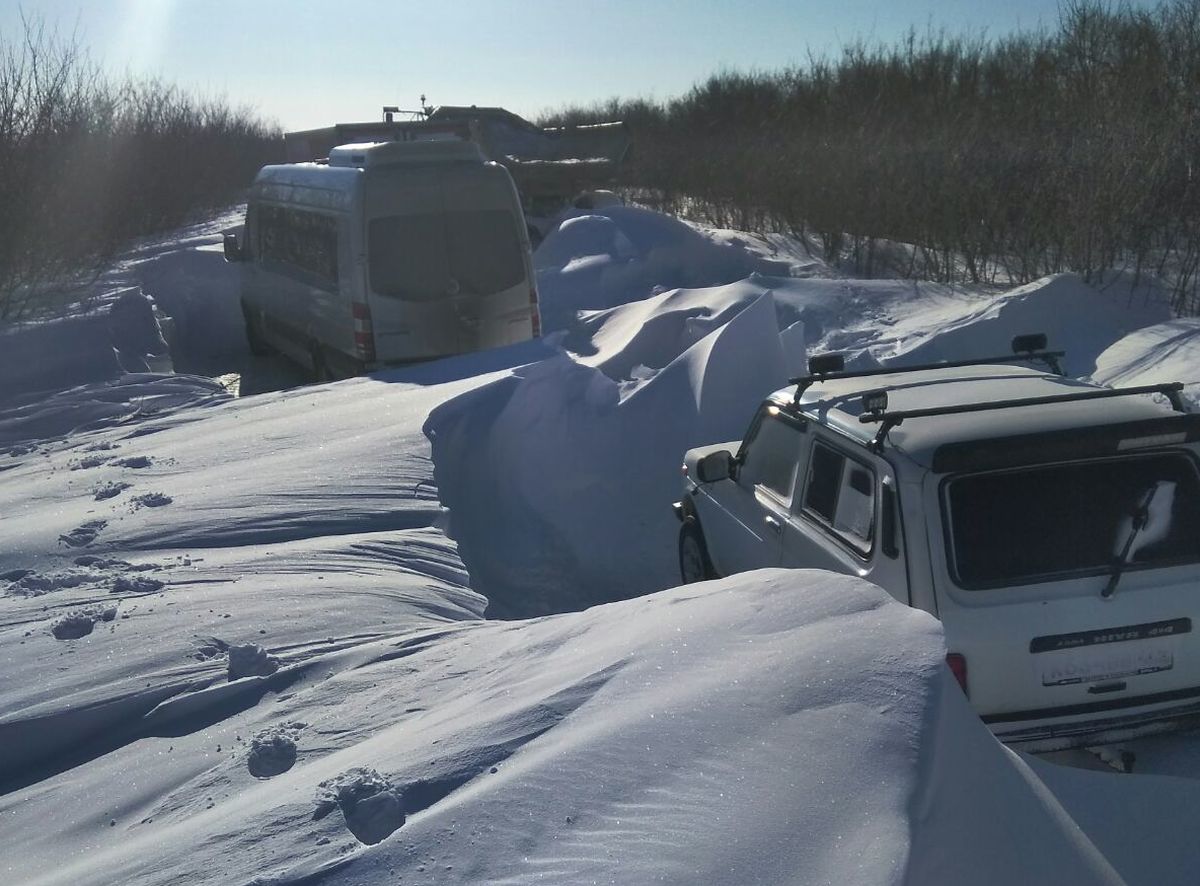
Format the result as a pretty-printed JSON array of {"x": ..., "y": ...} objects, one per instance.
[
  {"x": 101, "y": 562},
  {"x": 88, "y": 461},
  {"x": 135, "y": 584},
  {"x": 109, "y": 490},
  {"x": 250, "y": 660},
  {"x": 370, "y": 804},
  {"x": 80, "y": 622},
  {"x": 134, "y": 461},
  {"x": 84, "y": 535},
  {"x": 27, "y": 583}
]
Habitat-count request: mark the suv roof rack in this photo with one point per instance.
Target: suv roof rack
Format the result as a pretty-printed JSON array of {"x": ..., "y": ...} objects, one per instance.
[
  {"x": 875, "y": 404},
  {"x": 827, "y": 367}
]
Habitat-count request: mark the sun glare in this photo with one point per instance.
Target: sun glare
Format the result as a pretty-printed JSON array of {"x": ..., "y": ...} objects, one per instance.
[{"x": 142, "y": 33}]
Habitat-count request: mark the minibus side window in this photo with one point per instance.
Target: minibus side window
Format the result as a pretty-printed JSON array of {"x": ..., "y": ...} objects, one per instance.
[{"x": 299, "y": 239}]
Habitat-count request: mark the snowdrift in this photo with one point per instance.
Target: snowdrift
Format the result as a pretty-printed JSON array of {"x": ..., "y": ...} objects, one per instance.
[
  {"x": 902, "y": 322},
  {"x": 621, "y": 254},
  {"x": 1164, "y": 352},
  {"x": 559, "y": 478},
  {"x": 135, "y": 558},
  {"x": 115, "y": 334},
  {"x": 776, "y": 727}
]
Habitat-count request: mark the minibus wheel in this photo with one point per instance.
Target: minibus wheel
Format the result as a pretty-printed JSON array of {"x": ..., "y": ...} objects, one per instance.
[
  {"x": 320, "y": 366},
  {"x": 258, "y": 346}
]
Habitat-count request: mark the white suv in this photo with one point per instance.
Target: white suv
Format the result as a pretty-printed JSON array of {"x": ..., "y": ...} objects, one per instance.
[{"x": 1053, "y": 526}]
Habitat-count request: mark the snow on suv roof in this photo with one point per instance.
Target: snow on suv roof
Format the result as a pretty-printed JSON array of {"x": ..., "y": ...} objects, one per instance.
[{"x": 838, "y": 404}]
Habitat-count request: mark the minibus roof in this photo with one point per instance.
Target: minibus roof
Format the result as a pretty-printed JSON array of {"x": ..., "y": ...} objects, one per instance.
[{"x": 371, "y": 155}]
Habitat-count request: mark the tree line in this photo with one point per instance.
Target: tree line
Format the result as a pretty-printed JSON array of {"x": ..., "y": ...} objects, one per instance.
[
  {"x": 88, "y": 162},
  {"x": 1069, "y": 148}
]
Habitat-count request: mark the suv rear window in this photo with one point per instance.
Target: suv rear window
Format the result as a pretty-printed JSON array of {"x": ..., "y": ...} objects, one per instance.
[
  {"x": 415, "y": 256},
  {"x": 1058, "y": 521}
]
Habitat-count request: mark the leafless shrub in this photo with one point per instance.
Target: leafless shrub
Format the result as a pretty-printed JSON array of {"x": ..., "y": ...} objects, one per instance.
[
  {"x": 87, "y": 163},
  {"x": 996, "y": 160}
]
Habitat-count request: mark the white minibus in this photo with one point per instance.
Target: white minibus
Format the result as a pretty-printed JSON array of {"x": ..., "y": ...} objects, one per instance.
[{"x": 388, "y": 253}]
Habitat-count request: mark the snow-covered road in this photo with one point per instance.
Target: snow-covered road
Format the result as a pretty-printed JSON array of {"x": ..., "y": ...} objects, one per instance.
[{"x": 242, "y": 640}]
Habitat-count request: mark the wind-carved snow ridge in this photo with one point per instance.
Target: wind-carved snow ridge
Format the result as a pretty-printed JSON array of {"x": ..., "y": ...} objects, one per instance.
[
  {"x": 622, "y": 254},
  {"x": 559, "y": 478}
]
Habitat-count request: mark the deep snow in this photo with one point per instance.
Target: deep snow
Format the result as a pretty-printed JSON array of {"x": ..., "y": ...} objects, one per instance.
[{"x": 240, "y": 644}]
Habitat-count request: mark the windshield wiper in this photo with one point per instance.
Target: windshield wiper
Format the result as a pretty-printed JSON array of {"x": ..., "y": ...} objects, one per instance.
[{"x": 1140, "y": 517}]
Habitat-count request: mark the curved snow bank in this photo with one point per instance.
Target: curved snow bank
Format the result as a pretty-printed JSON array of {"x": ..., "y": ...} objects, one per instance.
[
  {"x": 1164, "y": 352},
  {"x": 775, "y": 727},
  {"x": 114, "y": 335},
  {"x": 901, "y": 322},
  {"x": 1075, "y": 316},
  {"x": 559, "y": 479},
  {"x": 622, "y": 254},
  {"x": 128, "y": 399}
]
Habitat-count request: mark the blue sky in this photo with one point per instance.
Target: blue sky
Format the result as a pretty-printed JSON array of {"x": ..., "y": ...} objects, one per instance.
[{"x": 308, "y": 64}]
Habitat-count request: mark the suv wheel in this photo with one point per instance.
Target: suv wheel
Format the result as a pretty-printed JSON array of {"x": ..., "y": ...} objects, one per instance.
[{"x": 694, "y": 564}]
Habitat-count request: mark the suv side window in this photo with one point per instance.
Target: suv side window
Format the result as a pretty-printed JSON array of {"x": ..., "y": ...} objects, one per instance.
[
  {"x": 771, "y": 454},
  {"x": 840, "y": 494}
]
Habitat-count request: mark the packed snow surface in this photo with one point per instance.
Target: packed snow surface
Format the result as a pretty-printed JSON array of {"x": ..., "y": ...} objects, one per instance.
[{"x": 243, "y": 639}]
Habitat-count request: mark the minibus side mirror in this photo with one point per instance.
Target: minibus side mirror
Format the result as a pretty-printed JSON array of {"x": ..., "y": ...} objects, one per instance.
[{"x": 233, "y": 249}]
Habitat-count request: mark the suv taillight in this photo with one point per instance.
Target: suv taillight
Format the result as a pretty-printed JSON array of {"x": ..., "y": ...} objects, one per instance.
[{"x": 957, "y": 663}]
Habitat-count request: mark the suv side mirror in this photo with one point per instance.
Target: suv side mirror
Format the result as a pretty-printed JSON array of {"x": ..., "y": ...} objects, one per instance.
[
  {"x": 715, "y": 466},
  {"x": 233, "y": 249}
]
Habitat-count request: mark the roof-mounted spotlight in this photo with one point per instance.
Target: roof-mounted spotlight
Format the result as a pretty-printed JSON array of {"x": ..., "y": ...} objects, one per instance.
[
  {"x": 823, "y": 364},
  {"x": 1027, "y": 344},
  {"x": 875, "y": 402}
]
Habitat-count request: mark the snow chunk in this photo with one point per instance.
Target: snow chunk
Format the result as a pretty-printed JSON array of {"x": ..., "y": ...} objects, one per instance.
[
  {"x": 369, "y": 803},
  {"x": 273, "y": 751}
]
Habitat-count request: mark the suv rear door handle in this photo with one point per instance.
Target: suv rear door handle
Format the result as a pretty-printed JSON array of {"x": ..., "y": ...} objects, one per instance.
[{"x": 773, "y": 524}]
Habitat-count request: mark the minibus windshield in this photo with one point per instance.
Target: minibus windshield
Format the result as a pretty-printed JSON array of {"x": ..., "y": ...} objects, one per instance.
[
  {"x": 1049, "y": 522},
  {"x": 427, "y": 256}
]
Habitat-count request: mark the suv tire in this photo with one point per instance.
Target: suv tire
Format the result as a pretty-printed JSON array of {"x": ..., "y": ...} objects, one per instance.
[{"x": 694, "y": 564}]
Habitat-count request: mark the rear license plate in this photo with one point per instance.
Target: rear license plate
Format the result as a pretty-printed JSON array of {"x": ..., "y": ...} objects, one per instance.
[{"x": 1080, "y": 666}]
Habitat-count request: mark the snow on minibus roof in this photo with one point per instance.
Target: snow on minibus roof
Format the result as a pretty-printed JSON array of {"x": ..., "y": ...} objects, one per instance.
[{"x": 372, "y": 154}]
